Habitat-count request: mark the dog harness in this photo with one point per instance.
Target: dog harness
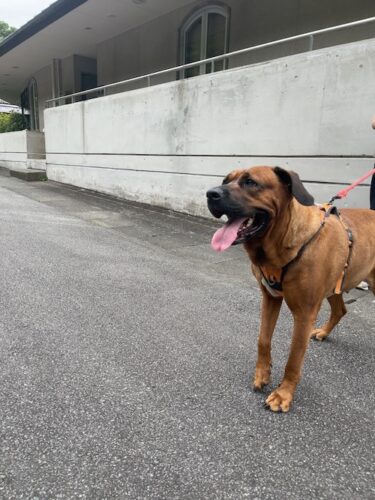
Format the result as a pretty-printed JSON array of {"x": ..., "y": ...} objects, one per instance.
[{"x": 272, "y": 278}]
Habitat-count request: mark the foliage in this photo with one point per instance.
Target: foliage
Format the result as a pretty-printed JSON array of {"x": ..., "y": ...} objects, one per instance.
[
  {"x": 11, "y": 122},
  {"x": 5, "y": 30}
]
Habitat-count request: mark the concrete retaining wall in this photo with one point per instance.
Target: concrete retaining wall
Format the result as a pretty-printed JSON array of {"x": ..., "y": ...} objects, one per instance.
[
  {"x": 13, "y": 149},
  {"x": 167, "y": 144},
  {"x": 23, "y": 149}
]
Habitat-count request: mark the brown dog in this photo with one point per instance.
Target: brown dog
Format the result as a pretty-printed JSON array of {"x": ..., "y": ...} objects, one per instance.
[{"x": 300, "y": 252}]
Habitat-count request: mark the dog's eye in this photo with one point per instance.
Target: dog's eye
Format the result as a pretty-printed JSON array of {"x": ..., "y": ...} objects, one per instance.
[{"x": 249, "y": 182}]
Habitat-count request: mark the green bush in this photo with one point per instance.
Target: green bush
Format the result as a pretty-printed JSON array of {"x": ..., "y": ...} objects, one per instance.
[
  {"x": 11, "y": 122},
  {"x": 5, "y": 30}
]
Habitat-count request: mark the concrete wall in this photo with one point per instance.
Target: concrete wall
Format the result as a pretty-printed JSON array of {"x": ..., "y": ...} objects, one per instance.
[
  {"x": 166, "y": 145},
  {"x": 23, "y": 149},
  {"x": 35, "y": 144},
  {"x": 13, "y": 149}
]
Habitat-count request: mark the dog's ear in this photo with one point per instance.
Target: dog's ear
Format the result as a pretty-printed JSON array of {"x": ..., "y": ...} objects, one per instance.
[{"x": 295, "y": 186}]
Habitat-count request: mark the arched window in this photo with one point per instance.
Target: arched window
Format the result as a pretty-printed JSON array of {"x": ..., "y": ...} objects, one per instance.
[
  {"x": 33, "y": 104},
  {"x": 203, "y": 35}
]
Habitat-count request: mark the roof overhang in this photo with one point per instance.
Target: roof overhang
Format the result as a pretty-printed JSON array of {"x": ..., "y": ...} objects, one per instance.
[
  {"x": 54, "y": 12},
  {"x": 70, "y": 27}
]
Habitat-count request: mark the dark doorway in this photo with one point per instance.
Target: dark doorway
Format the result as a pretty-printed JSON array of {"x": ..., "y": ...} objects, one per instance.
[{"x": 89, "y": 81}]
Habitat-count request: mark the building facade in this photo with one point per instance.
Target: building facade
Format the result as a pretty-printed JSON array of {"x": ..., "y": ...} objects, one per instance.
[{"x": 304, "y": 103}]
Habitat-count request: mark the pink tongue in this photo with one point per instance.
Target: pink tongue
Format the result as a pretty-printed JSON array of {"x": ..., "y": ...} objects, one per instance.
[{"x": 226, "y": 235}]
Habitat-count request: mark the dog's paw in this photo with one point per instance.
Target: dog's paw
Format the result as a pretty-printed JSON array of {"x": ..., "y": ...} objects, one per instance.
[
  {"x": 319, "y": 334},
  {"x": 261, "y": 379},
  {"x": 279, "y": 400}
]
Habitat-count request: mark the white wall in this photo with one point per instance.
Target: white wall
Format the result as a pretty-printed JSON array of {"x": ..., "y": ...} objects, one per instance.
[
  {"x": 13, "y": 149},
  {"x": 166, "y": 145},
  {"x": 23, "y": 149},
  {"x": 36, "y": 149}
]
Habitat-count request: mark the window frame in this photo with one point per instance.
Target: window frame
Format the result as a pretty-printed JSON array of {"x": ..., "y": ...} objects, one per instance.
[{"x": 203, "y": 13}]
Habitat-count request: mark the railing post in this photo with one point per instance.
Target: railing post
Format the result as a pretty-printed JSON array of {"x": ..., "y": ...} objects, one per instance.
[{"x": 311, "y": 42}]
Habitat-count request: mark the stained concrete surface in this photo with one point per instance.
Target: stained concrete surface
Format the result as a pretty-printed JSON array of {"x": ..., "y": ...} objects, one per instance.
[{"x": 126, "y": 352}]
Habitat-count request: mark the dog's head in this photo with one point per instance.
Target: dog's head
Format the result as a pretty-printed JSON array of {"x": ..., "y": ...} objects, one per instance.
[{"x": 251, "y": 199}]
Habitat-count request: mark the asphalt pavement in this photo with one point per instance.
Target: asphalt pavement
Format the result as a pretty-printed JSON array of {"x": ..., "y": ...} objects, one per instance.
[{"x": 127, "y": 348}]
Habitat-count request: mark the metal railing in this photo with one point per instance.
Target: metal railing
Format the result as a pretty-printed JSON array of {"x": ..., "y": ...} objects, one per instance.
[{"x": 180, "y": 70}]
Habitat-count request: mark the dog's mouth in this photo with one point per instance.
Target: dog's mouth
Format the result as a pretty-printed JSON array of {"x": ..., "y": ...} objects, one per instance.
[{"x": 240, "y": 230}]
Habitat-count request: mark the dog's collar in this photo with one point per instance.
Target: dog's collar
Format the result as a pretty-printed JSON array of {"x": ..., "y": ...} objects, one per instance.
[{"x": 272, "y": 278}]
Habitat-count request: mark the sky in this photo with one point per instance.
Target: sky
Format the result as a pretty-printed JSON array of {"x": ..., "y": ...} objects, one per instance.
[{"x": 18, "y": 12}]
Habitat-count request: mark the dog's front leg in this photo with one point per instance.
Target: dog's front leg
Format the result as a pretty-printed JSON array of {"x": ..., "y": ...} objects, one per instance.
[
  {"x": 270, "y": 312},
  {"x": 281, "y": 398}
]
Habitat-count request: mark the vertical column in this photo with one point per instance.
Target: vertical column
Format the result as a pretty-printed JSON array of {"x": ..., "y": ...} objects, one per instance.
[{"x": 56, "y": 78}]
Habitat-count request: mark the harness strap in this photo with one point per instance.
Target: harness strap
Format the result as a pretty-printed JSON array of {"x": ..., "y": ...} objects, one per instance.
[
  {"x": 272, "y": 278},
  {"x": 340, "y": 284}
]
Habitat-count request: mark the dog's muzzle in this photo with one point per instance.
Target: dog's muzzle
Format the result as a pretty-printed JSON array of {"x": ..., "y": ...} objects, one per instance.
[
  {"x": 220, "y": 203},
  {"x": 243, "y": 224}
]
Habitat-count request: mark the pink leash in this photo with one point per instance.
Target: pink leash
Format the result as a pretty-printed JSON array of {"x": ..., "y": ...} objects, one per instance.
[{"x": 343, "y": 193}]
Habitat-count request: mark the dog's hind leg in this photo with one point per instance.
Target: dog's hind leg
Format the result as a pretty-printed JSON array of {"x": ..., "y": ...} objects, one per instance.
[
  {"x": 338, "y": 310},
  {"x": 270, "y": 312}
]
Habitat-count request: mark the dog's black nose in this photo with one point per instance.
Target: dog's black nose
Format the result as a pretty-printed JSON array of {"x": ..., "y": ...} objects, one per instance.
[{"x": 215, "y": 193}]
